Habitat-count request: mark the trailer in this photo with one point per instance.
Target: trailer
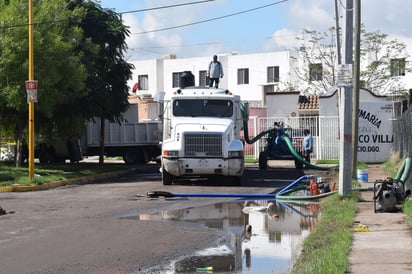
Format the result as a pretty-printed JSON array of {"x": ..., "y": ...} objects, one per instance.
[{"x": 137, "y": 142}]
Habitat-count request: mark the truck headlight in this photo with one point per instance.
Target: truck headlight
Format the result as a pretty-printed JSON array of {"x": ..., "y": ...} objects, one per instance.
[{"x": 236, "y": 154}]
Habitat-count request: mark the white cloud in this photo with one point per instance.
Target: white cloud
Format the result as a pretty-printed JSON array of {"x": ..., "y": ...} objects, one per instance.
[
  {"x": 281, "y": 39},
  {"x": 158, "y": 43},
  {"x": 311, "y": 14},
  {"x": 390, "y": 17}
]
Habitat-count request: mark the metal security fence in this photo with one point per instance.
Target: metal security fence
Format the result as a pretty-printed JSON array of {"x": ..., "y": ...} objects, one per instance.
[
  {"x": 402, "y": 143},
  {"x": 402, "y": 127},
  {"x": 325, "y": 132}
]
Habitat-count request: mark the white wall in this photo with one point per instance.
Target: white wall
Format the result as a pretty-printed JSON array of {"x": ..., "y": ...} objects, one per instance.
[
  {"x": 257, "y": 65},
  {"x": 178, "y": 65},
  {"x": 154, "y": 69},
  {"x": 160, "y": 72},
  {"x": 282, "y": 104}
]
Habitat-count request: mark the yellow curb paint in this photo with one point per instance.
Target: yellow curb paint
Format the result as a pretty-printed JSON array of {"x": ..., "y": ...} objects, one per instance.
[
  {"x": 26, "y": 188},
  {"x": 50, "y": 185},
  {"x": 6, "y": 188}
]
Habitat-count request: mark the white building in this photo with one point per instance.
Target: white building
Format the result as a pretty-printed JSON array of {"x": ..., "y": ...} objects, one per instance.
[
  {"x": 264, "y": 80},
  {"x": 249, "y": 75}
]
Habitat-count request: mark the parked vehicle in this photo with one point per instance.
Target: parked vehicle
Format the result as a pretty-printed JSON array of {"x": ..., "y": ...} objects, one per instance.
[
  {"x": 137, "y": 142},
  {"x": 277, "y": 149},
  {"x": 6, "y": 154}
]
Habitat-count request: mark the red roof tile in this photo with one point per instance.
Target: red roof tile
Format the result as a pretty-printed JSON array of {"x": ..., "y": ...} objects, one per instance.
[{"x": 308, "y": 102}]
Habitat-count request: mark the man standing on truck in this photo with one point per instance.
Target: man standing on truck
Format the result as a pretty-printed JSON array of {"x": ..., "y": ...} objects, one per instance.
[{"x": 215, "y": 72}]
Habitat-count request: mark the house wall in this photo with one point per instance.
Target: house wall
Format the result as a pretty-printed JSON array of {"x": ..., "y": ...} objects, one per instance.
[
  {"x": 154, "y": 69},
  {"x": 375, "y": 135},
  {"x": 282, "y": 104},
  {"x": 178, "y": 65},
  {"x": 160, "y": 72}
]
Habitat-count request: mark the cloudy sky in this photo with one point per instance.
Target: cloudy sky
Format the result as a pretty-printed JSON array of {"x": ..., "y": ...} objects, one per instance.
[{"x": 207, "y": 27}]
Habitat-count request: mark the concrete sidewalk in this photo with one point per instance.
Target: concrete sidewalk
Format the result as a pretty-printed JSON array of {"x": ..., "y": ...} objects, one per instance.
[{"x": 387, "y": 247}]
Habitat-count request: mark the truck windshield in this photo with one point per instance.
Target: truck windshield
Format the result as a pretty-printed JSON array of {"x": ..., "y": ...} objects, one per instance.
[{"x": 203, "y": 108}]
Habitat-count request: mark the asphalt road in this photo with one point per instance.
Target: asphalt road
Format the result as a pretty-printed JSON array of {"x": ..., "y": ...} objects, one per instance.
[{"x": 95, "y": 228}]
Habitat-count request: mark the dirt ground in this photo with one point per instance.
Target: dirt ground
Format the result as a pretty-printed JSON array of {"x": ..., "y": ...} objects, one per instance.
[{"x": 385, "y": 246}]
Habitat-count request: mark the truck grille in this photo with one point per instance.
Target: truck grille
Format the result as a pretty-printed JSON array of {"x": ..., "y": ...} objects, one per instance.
[{"x": 203, "y": 145}]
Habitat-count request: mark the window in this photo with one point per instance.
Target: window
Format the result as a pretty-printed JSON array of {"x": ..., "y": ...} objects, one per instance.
[
  {"x": 176, "y": 79},
  {"x": 268, "y": 89},
  {"x": 273, "y": 74},
  {"x": 203, "y": 108},
  {"x": 203, "y": 79},
  {"x": 315, "y": 72},
  {"x": 143, "y": 82},
  {"x": 243, "y": 76},
  {"x": 398, "y": 67}
]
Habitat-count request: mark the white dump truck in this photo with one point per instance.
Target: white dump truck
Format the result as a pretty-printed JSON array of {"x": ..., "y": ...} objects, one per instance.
[
  {"x": 201, "y": 135},
  {"x": 138, "y": 142}
]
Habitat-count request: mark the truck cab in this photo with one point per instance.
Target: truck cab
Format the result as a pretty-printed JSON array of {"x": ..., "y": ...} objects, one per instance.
[{"x": 201, "y": 135}]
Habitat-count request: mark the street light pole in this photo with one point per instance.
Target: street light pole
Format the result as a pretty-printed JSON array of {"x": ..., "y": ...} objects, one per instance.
[{"x": 30, "y": 101}]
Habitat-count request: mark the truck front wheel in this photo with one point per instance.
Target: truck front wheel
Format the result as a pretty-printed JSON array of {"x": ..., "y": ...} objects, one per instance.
[{"x": 167, "y": 178}]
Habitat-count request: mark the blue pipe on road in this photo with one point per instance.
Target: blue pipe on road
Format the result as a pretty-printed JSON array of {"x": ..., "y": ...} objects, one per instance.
[{"x": 156, "y": 194}]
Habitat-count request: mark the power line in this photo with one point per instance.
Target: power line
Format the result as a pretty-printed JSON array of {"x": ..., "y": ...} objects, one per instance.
[
  {"x": 212, "y": 19},
  {"x": 164, "y": 7},
  {"x": 120, "y": 13},
  {"x": 181, "y": 46}
]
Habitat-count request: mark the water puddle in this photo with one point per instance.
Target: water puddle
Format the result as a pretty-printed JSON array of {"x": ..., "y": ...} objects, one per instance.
[{"x": 262, "y": 236}]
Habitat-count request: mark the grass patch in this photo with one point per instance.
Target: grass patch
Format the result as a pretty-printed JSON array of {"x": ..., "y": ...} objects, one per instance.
[
  {"x": 327, "y": 247},
  {"x": 328, "y": 162},
  {"x": 10, "y": 174},
  {"x": 407, "y": 209},
  {"x": 362, "y": 165}
]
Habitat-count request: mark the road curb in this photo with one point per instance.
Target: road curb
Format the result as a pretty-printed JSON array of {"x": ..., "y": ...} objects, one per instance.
[{"x": 64, "y": 182}]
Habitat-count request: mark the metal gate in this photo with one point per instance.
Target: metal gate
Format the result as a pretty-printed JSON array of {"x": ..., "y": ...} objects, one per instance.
[{"x": 324, "y": 129}]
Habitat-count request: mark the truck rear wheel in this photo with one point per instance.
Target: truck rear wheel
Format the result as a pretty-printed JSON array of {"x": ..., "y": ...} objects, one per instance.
[
  {"x": 167, "y": 178},
  {"x": 134, "y": 157},
  {"x": 47, "y": 154},
  {"x": 129, "y": 157}
]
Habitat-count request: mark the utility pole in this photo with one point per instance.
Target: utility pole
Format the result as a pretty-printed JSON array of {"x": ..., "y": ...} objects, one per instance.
[
  {"x": 356, "y": 87},
  {"x": 31, "y": 87},
  {"x": 31, "y": 102},
  {"x": 338, "y": 46},
  {"x": 345, "y": 111}
]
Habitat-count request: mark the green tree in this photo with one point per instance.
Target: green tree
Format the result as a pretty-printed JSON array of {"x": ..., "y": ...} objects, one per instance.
[
  {"x": 57, "y": 67},
  {"x": 385, "y": 59},
  {"x": 78, "y": 60},
  {"x": 103, "y": 46},
  {"x": 316, "y": 62}
]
